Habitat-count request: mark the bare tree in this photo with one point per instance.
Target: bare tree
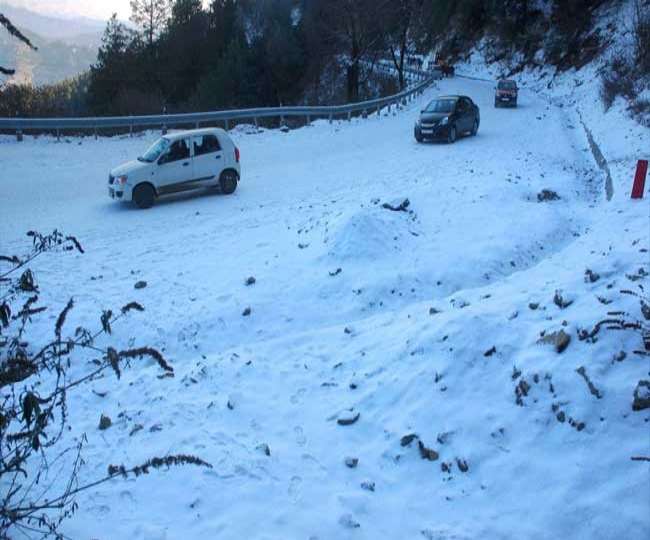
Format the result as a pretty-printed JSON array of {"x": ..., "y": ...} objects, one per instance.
[
  {"x": 6, "y": 23},
  {"x": 403, "y": 18},
  {"x": 151, "y": 16},
  {"x": 357, "y": 28}
]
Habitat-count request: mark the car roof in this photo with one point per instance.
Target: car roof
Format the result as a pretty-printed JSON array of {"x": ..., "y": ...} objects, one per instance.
[
  {"x": 508, "y": 81},
  {"x": 193, "y": 133}
]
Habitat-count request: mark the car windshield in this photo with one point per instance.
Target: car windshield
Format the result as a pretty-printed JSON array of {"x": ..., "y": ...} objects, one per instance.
[
  {"x": 154, "y": 151},
  {"x": 441, "y": 106},
  {"x": 507, "y": 85}
]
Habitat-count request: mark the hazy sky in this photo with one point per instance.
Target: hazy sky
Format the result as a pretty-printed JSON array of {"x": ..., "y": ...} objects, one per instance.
[{"x": 96, "y": 9}]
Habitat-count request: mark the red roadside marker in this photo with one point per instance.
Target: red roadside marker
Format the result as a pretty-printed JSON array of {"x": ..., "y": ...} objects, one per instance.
[{"x": 639, "y": 179}]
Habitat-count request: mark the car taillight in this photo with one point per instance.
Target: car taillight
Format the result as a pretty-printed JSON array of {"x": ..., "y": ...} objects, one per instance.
[{"x": 236, "y": 154}]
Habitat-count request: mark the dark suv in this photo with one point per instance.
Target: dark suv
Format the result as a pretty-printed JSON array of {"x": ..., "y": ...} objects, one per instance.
[
  {"x": 506, "y": 93},
  {"x": 446, "y": 118}
]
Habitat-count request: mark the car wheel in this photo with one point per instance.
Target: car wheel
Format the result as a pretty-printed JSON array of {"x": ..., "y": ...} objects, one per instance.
[
  {"x": 475, "y": 128},
  {"x": 144, "y": 195},
  {"x": 496, "y": 104},
  {"x": 228, "y": 182},
  {"x": 418, "y": 137},
  {"x": 451, "y": 137}
]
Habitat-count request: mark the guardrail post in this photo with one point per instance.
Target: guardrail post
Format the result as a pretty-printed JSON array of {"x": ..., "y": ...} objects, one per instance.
[
  {"x": 131, "y": 130},
  {"x": 364, "y": 114},
  {"x": 164, "y": 129},
  {"x": 330, "y": 118},
  {"x": 58, "y": 134},
  {"x": 19, "y": 135},
  {"x": 256, "y": 124},
  {"x": 196, "y": 125},
  {"x": 227, "y": 124},
  {"x": 349, "y": 115},
  {"x": 95, "y": 130},
  {"x": 281, "y": 120},
  {"x": 308, "y": 120}
]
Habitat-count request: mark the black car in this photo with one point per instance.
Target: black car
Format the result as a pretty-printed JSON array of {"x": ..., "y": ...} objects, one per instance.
[{"x": 446, "y": 118}]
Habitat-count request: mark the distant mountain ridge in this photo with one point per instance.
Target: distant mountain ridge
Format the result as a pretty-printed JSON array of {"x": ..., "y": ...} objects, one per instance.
[{"x": 67, "y": 46}]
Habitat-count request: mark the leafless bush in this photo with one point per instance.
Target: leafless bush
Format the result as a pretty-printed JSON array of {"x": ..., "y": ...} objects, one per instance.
[
  {"x": 623, "y": 320},
  {"x": 38, "y": 466}
]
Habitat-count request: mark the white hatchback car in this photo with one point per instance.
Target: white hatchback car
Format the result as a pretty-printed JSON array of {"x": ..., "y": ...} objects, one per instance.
[{"x": 178, "y": 162}]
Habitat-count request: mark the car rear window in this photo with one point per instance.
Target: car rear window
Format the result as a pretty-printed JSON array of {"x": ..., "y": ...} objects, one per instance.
[
  {"x": 206, "y": 144},
  {"x": 507, "y": 85}
]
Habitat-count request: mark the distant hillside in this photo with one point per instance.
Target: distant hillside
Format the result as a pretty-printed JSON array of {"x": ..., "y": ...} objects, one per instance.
[{"x": 66, "y": 47}]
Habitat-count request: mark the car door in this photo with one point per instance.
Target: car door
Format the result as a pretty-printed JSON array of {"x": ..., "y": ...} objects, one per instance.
[
  {"x": 175, "y": 171},
  {"x": 465, "y": 115},
  {"x": 208, "y": 158}
]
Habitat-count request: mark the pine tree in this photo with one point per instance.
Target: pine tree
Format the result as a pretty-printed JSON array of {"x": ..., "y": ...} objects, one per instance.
[{"x": 151, "y": 16}]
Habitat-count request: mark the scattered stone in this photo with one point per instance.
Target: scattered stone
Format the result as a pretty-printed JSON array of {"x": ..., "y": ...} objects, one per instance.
[
  {"x": 560, "y": 340},
  {"x": 620, "y": 356},
  {"x": 336, "y": 272},
  {"x": 490, "y": 352},
  {"x": 515, "y": 373},
  {"x": 446, "y": 466},
  {"x": 443, "y": 438},
  {"x": 434, "y": 311},
  {"x": 641, "y": 396},
  {"x": 285, "y": 129},
  {"x": 533, "y": 305},
  {"x": 547, "y": 195},
  {"x": 561, "y": 417},
  {"x": 347, "y": 330},
  {"x": 590, "y": 276},
  {"x": 140, "y": 285},
  {"x": 560, "y": 301},
  {"x": 578, "y": 425},
  {"x": 246, "y": 312},
  {"x": 348, "y": 419},
  {"x": 408, "y": 439},
  {"x": 368, "y": 485},
  {"x": 397, "y": 206},
  {"x": 303, "y": 246},
  {"x": 135, "y": 429},
  {"x": 427, "y": 453},
  {"x": 155, "y": 428},
  {"x": 462, "y": 465},
  {"x": 592, "y": 388},
  {"x": 351, "y": 462},
  {"x": 513, "y": 315},
  {"x": 105, "y": 422},
  {"x": 264, "y": 448},
  {"x": 250, "y": 281},
  {"x": 521, "y": 391},
  {"x": 347, "y": 521}
]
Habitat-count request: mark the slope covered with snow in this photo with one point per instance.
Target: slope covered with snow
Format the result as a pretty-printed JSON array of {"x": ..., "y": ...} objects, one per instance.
[{"x": 428, "y": 323}]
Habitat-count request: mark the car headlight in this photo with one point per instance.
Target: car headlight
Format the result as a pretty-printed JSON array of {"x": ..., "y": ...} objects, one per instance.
[
  {"x": 121, "y": 179},
  {"x": 444, "y": 121},
  {"x": 418, "y": 122}
]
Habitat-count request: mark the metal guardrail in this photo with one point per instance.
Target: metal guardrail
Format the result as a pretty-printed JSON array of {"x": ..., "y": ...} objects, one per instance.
[{"x": 19, "y": 125}]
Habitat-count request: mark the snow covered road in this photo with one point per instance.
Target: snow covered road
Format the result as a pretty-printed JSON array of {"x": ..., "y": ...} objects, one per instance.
[{"x": 344, "y": 319}]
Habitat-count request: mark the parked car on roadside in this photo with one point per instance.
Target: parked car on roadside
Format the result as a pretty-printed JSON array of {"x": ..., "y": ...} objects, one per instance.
[
  {"x": 506, "y": 93},
  {"x": 448, "y": 117},
  {"x": 178, "y": 162}
]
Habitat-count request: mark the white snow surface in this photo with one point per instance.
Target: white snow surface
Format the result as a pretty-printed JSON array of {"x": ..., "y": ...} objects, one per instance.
[{"x": 476, "y": 246}]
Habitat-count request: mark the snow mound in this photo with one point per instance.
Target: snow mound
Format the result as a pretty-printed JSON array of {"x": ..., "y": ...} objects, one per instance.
[{"x": 372, "y": 233}]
